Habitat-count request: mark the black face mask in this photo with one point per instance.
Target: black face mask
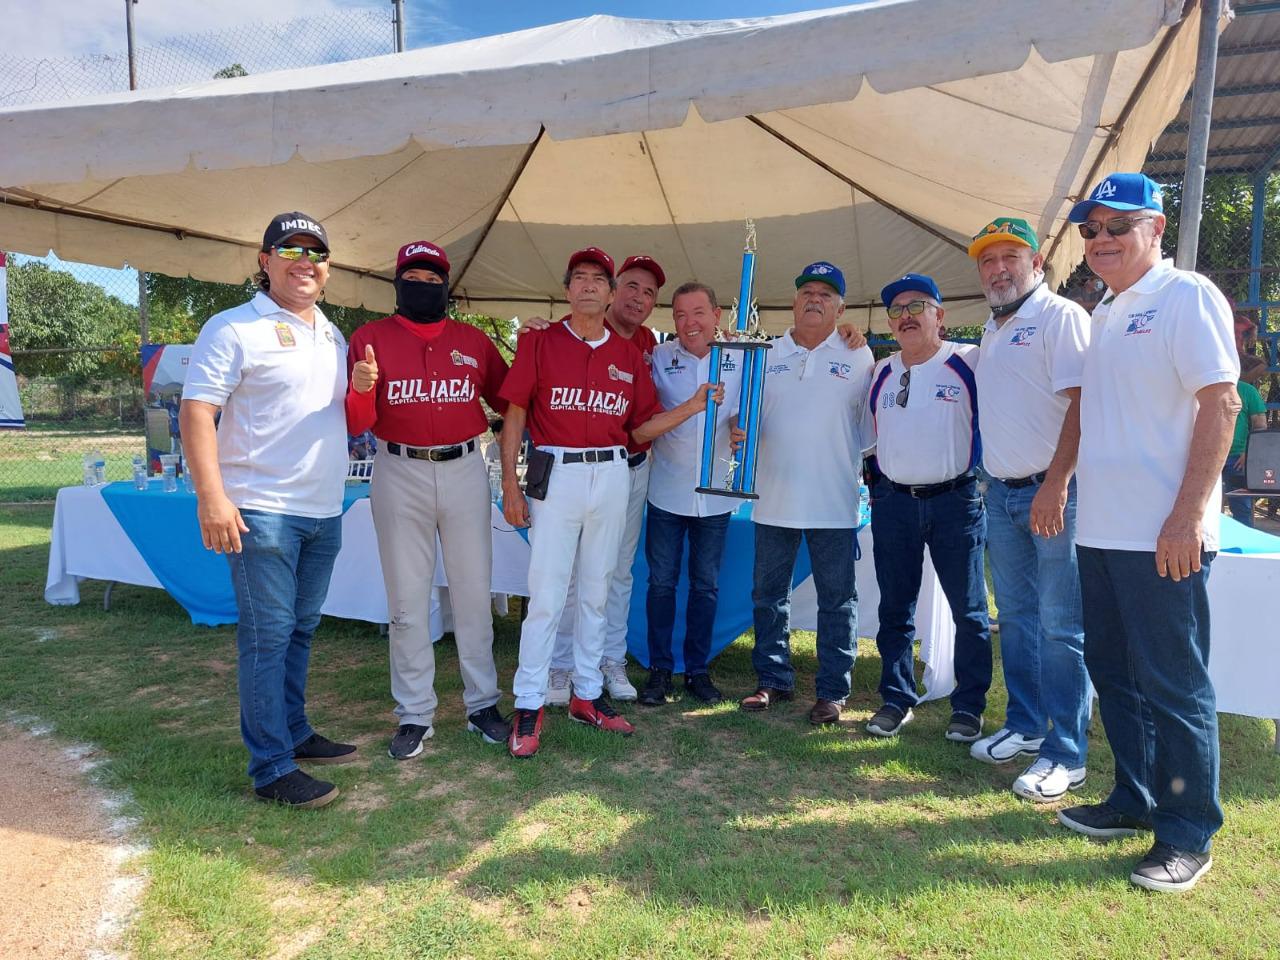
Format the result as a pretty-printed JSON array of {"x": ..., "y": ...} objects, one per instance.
[{"x": 421, "y": 302}]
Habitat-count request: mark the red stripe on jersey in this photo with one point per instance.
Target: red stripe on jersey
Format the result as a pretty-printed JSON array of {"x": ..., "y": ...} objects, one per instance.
[
  {"x": 429, "y": 389},
  {"x": 577, "y": 396}
]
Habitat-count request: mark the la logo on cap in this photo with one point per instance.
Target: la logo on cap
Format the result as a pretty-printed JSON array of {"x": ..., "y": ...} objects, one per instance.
[{"x": 1106, "y": 190}]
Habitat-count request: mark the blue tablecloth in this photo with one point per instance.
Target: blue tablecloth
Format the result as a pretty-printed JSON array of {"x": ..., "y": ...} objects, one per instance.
[
  {"x": 163, "y": 528},
  {"x": 1235, "y": 537}
]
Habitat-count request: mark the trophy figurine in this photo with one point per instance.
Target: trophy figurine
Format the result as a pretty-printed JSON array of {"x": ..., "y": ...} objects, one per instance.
[{"x": 740, "y": 477}]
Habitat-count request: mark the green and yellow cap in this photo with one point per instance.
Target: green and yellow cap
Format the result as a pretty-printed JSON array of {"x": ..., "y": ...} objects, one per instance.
[{"x": 1001, "y": 229}]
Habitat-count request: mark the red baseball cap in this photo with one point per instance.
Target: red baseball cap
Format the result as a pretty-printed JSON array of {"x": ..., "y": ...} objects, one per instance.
[
  {"x": 642, "y": 262},
  {"x": 422, "y": 252},
  {"x": 593, "y": 255}
]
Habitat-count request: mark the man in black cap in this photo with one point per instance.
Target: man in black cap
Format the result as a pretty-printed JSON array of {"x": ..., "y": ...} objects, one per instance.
[{"x": 269, "y": 480}]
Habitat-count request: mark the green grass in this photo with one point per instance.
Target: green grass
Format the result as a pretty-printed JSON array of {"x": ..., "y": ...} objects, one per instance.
[
  {"x": 36, "y": 461},
  {"x": 709, "y": 834}
]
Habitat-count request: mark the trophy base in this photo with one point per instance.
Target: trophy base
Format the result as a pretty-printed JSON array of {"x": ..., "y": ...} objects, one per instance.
[{"x": 722, "y": 492}]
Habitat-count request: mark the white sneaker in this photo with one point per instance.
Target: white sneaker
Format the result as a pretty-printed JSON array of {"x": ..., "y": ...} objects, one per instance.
[
  {"x": 1005, "y": 745},
  {"x": 615, "y": 680},
  {"x": 1045, "y": 781},
  {"x": 558, "y": 684}
]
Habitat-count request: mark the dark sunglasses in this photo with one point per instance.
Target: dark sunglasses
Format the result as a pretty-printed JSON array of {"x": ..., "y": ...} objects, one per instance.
[
  {"x": 914, "y": 308},
  {"x": 297, "y": 253},
  {"x": 905, "y": 382},
  {"x": 1115, "y": 228}
]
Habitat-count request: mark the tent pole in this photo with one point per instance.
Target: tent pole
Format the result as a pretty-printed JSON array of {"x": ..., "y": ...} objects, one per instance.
[
  {"x": 1198, "y": 135},
  {"x": 128, "y": 34},
  {"x": 397, "y": 20},
  {"x": 1255, "y": 239}
]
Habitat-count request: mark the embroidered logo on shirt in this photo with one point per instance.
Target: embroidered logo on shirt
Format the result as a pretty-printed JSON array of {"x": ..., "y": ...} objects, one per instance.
[
  {"x": 1139, "y": 323},
  {"x": 778, "y": 368},
  {"x": 451, "y": 390},
  {"x": 1022, "y": 336},
  {"x": 616, "y": 374},
  {"x": 285, "y": 335},
  {"x": 841, "y": 370},
  {"x": 947, "y": 393},
  {"x": 459, "y": 359},
  {"x": 589, "y": 401}
]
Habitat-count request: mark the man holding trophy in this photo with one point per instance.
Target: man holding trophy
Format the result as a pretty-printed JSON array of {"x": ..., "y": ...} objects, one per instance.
[{"x": 810, "y": 459}]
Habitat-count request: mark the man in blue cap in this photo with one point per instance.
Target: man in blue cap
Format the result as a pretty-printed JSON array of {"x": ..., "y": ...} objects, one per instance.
[
  {"x": 923, "y": 416},
  {"x": 807, "y": 479},
  {"x": 1157, "y": 410}
]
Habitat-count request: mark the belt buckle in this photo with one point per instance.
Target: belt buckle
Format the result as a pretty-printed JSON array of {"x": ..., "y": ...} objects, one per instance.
[
  {"x": 916, "y": 488},
  {"x": 417, "y": 453}
]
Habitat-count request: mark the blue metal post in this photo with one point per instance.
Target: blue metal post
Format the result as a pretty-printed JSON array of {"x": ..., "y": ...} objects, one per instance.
[
  {"x": 751, "y": 448},
  {"x": 709, "y": 424},
  {"x": 744, "y": 289},
  {"x": 1255, "y": 245}
]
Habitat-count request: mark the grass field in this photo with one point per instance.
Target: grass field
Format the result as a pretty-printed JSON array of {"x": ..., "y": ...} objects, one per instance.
[
  {"x": 36, "y": 461},
  {"x": 708, "y": 834}
]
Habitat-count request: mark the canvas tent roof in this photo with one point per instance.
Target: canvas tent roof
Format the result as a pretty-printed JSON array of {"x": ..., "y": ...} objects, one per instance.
[{"x": 878, "y": 136}]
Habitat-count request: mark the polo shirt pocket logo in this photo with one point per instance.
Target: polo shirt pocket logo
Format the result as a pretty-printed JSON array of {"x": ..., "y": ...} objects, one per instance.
[
  {"x": 461, "y": 359},
  {"x": 778, "y": 368},
  {"x": 840, "y": 370},
  {"x": 947, "y": 393},
  {"x": 285, "y": 335},
  {"x": 1139, "y": 323},
  {"x": 623, "y": 375},
  {"x": 1022, "y": 336}
]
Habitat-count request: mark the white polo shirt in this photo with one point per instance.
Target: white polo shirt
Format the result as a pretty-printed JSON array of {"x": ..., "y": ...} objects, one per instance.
[
  {"x": 1152, "y": 348},
  {"x": 282, "y": 438},
  {"x": 1023, "y": 367},
  {"x": 811, "y": 440},
  {"x": 677, "y": 455},
  {"x": 935, "y": 436}
]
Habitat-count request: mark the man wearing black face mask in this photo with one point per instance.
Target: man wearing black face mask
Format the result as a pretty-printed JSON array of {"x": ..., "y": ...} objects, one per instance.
[{"x": 416, "y": 379}]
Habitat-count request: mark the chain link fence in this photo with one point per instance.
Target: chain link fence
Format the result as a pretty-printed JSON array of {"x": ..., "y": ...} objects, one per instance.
[{"x": 75, "y": 329}]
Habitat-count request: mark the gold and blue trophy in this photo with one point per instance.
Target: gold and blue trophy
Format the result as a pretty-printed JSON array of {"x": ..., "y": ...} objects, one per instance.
[{"x": 739, "y": 479}]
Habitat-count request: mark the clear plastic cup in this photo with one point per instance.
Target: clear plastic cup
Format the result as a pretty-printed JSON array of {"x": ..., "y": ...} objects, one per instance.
[{"x": 169, "y": 471}]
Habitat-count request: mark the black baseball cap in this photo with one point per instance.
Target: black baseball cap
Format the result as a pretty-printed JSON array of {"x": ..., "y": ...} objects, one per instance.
[{"x": 285, "y": 226}]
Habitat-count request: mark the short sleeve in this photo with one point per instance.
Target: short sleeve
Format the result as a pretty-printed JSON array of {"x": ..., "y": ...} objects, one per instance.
[
  {"x": 216, "y": 364},
  {"x": 1253, "y": 402},
  {"x": 1067, "y": 341},
  {"x": 646, "y": 406},
  {"x": 521, "y": 380},
  {"x": 1202, "y": 339},
  {"x": 495, "y": 374}
]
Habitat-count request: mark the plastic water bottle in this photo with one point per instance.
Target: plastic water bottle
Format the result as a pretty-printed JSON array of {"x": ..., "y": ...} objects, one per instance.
[
  {"x": 89, "y": 474},
  {"x": 169, "y": 472},
  {"x": 99, "y": 468},
  {"x": 139, "y": 473},
  {"x": 495, "y": 481}
]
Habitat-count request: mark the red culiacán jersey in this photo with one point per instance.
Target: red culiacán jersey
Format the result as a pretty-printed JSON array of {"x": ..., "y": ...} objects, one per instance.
[
  {"x": 431, "y": 377},
  {"x": 577, "y": 396}
]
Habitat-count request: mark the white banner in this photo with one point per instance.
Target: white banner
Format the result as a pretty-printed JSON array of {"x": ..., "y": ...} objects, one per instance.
[{"x": 10, "y": 405}]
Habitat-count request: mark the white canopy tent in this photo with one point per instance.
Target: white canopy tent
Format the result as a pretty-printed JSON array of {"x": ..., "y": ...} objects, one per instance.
[{"x": 878, "y": 136}]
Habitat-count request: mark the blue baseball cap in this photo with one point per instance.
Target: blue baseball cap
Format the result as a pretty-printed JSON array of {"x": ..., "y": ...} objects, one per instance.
[
  {"x": 823, "y": 272},
  {"x": 1121, "y": 191},
  {"x": 912, "y": 281}
]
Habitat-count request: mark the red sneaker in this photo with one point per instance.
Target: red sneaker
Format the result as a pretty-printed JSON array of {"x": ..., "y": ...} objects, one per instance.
[
  {"x": 599, "y": 713},
  {"x": 526, "y": 733}
]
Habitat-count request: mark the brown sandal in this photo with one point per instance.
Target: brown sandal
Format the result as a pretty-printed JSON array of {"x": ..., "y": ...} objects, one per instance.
[{"x": 764, "y": 698}]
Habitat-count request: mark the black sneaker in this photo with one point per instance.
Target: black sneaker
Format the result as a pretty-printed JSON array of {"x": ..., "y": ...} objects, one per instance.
[
  {"x": 407, "y": 743},
  {"x": 700, "y": 686},
  {"x": 490, "y": 724},
  {"x": 1170, "y": 870},
  {"x": 318, "y": 749},
  {"x": 659, "y": 690},
  {"x": 298, "y": 789},
  {"x": 963, "y": 728},
  {"x": 1100, "y": 820},
  {"x": 889, "y": 721}
]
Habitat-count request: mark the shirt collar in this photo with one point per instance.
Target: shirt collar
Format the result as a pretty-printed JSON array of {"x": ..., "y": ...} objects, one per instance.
[
  {"x": 786, "y": 344},
  {"x": 267, "y": 307},
  {"x": 1030, "y": 307},
  {"x": 1150, "y": 282}
]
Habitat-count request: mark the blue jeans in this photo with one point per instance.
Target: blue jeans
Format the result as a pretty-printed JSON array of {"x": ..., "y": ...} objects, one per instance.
[
  {"x": 1147, "y": 648},
  {"x": 664, "y": 541},
  {"x": 1037, "y": 587},
  {"x": 953, "y": 525},
  {"x": 280, "y": 579},
  {"x": 831, "y": 552}
]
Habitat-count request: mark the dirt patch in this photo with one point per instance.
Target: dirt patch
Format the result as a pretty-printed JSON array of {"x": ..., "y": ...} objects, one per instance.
[{"x": 62, "y": 893}]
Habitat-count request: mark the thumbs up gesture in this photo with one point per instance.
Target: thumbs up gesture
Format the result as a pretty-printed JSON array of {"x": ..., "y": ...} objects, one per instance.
[{"x": 364, "y": 375}]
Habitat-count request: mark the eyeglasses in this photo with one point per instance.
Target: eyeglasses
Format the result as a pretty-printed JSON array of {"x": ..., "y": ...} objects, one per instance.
[
  {"x": 297, "y": 253},
  {"x": 914, "y": 308},
  {"x": 905, "y": 382},
  {"x": 1115, "y": 228}
]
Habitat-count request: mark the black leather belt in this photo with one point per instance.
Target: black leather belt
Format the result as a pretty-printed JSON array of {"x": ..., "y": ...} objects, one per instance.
[
  {"x": 1024, "y": 481},
  {"x": 591, "y": 456},
  {"x": 635, "y": 459},
  {"x": 435, "y": 454},
  {"x": 922, "y": 491}
]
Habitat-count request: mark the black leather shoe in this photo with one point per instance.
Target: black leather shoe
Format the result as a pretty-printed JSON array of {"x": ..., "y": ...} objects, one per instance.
[
  {"x": 659, "y": 690},
  {"x": 700, "y": 686},
  {"x": 1169, "y": 870},
  {"x": 298, "y": 789},
  {"x": 318, "y": 749}
]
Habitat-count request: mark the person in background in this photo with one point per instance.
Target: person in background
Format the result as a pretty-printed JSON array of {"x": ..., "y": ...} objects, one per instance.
[{"x": 1252, "y": 416}]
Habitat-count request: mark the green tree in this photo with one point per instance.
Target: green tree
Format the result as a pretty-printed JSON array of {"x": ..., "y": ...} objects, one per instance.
[{"x": 50, "y": 309}]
